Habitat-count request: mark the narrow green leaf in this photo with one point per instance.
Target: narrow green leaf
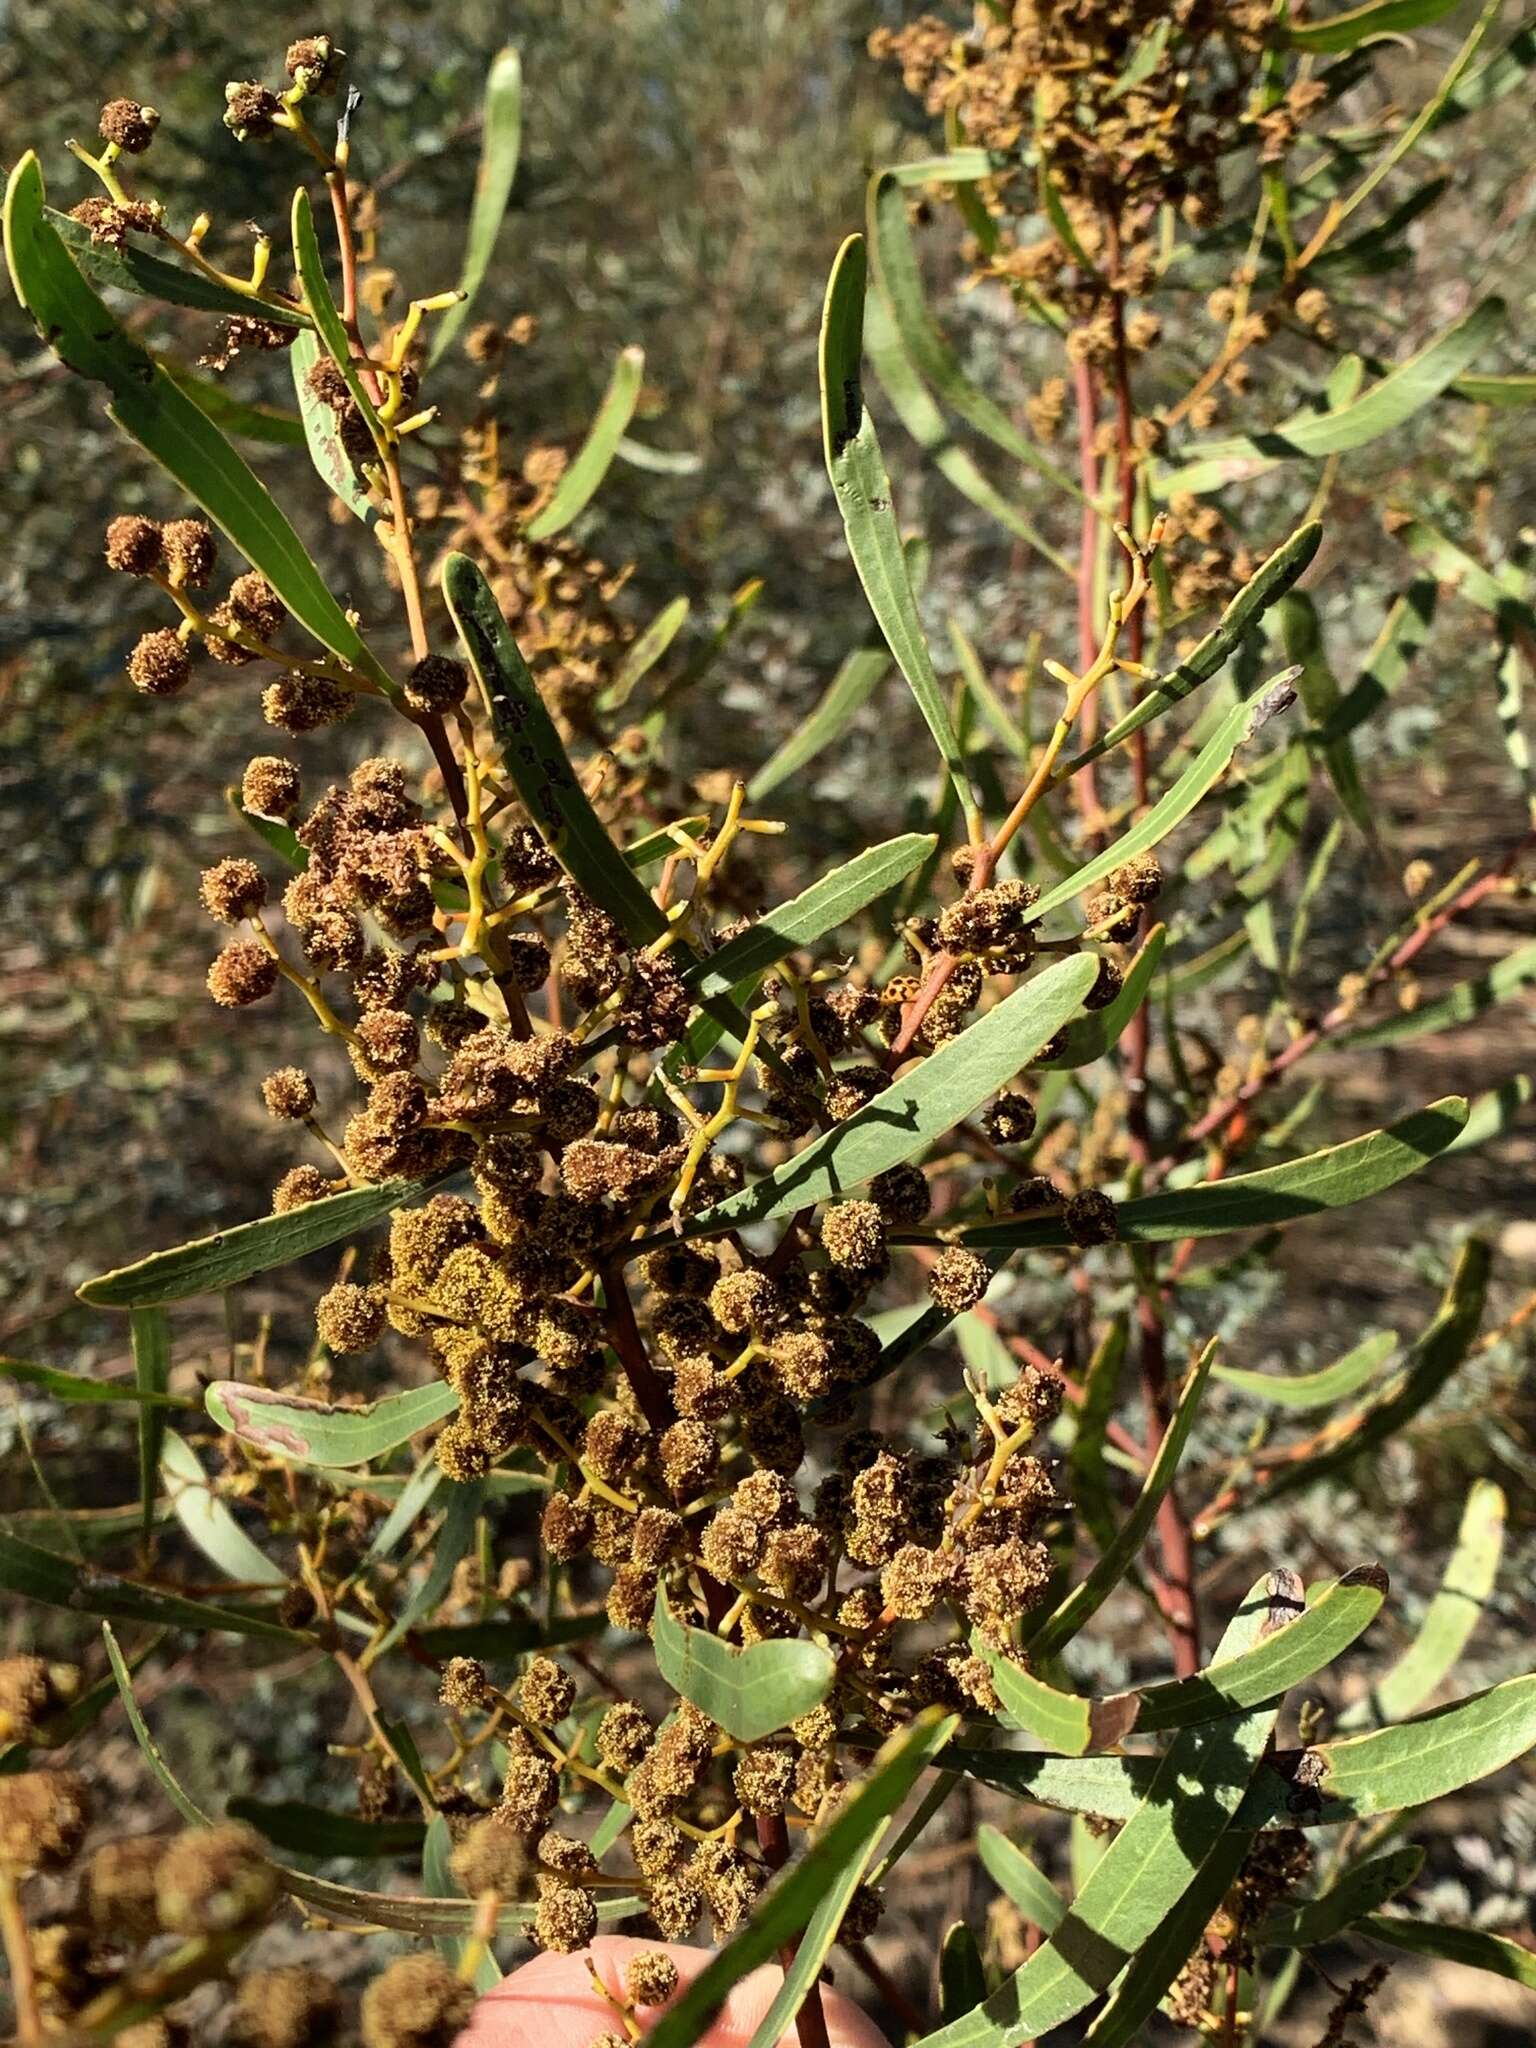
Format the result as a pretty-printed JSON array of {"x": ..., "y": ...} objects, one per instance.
[
  {"x": 1299, "y": 1645},
  {"x": 420, "y": 1916},
  {"x": 789, "y": 1903},
  {"x": 857, "y": 674},
  {"x": 590, "y": 463},
  {"x": 332, "y": 463},
  {"x": 1085, "y": 1460},
  {"x": 1014, "y": 1874},
  {"x": 900, "y": 284},
  {"x": 1140, "y": 1878},
  {"x": 147, "y": 405},
  {"x": 41, "y": 1575},
  {"x": 1338, "y": 32},
  {"x": 962, "y": 1979},
  {"x": 751, "y": 1692},
  {"x": 499, "y": 1642},
  {"x": 1265, "y": 587},
  {"x": 1359, "y": 1891},
  {"x": 1239, "y": 726},
  {"x": 438, "y": 1881},
  {"x": 1429, "y": 1364},
  {"x": 1458, "y": 1006},
  {"x": 1453, "y": 1614},
  {"x": 133, "y": 270},
  {"x": 1318, "y": 1389},
  {"x": 323, "y": 308},
  {"x": 926, "y": 1101},
  {"x": 1331, "y": 1179},
  {"x": 1060, "y": 1720},
  {"x": 1409, "y": 1764},
  {"x": 833, "y": 901},
  {"x": 1500, "y": 392},
  {"x": 500, "y": 139},
  {"x": 914, "y": 407},
  {"x": 955, "y": 167},
  {"x": 1159, "y": 1960},
  {"x": 646, "y": 652},
  {"x": 208, "y": 1522},
  {"x": 536, "y": 760},
  {"x": 1097, "y": 1032},
  {"x": 863, "y": 491},
  {"x": 1492, "y": 592},
  {"x": 317, "y": 1433},
  {"x": 252, "y": 422},
  {"x": 71, "y": 1386},
  {"x": 455, "y": 1539},
  {"x": 1050, "y": 1635},
  {"x": 1494, "y": 1953},
  {"x": 1302, "y": 637},
  {"x": 150, "y": 1338},
  {"x": 1388, "y": 403},
  {"x": 416, "y": 1496},
  {"x": 312, "y": 1831},
  {"x": 1493, "y": 1113},
  {"x": 210, "y": 1264},
  {"x": 1401, "y": 637}
]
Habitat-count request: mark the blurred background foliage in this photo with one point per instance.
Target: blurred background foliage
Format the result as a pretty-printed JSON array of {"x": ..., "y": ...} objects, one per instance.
[{"x": 688, "y": 167}]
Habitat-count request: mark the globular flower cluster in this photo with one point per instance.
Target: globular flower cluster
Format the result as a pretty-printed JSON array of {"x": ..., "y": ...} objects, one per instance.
[{"x": 536, "y": 1070}]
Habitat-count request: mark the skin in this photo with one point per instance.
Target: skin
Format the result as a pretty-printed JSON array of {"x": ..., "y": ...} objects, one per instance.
[{"x": 551, "y": 2003}]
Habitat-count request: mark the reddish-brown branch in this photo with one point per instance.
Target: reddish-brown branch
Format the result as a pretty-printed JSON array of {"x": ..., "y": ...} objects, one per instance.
[{"x": 1222, "y": 1112}]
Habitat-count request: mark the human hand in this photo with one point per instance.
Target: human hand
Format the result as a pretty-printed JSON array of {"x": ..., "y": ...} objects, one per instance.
[{"x": 553, "y": 2003}]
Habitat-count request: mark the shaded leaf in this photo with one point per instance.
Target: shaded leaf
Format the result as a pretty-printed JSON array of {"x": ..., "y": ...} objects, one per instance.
[
  {"x": 1453, "y": 1614},
  {"x": 1265, "y": 587},
  {"x": 252, "y": 422},
  {"x": 831, "y": 902},
  {"x": 437, "y": 1879},
  {"x": 53, "y": 1581},
  {"x": 1015, "y": 1874},
  {"x": 1336, "y": 32},
  {"x": 1047, "y": 1636},
  {"x": 210, "y": 1264},
  {"x": 131, "y": 269},
  {"x": 789, "y": 1903},
  {"x": 590, "y": 464},
  {"x": 1097, "y": 1032},
  {"x": 502, "y": 1641},
  {"x": 455, "y": 1537},
  {"x": 208, "y": 1522},
  {"x": 962, "y": 1980},
  {"x": 646, "y": 651},
  {"x": 863, "y": 492},
  {"x": 1320, "y": 1181},
  {"x": 1469, "y": 999},
  {"x": 1380, "y": 410},
  {"x": 1494, "y": 1953},
  {"x": 311, "y": 1831},
  {"x": 322, "y": 435},
  {"x": 73, "y": 1386},
  {"x": 928, "y": 1100},
  {"x": 751, "y": 1692},
  {"x": 317, "y": 1433},
  {"x": 1429, "y": 1364},
  {"x": 150, "y": 1339},
  {"x": 500, "y": 139},
  {"x": 1359, "y": 1891},
  {"x": 1318, "y": 1389},
  {"x": 536, "y": 759},
  {"x": 1239, "y": 726}
]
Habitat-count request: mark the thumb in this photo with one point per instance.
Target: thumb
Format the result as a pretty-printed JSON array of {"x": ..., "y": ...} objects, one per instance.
[{"x": 553, "y": 2003}]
